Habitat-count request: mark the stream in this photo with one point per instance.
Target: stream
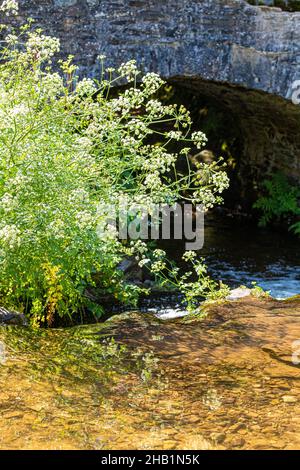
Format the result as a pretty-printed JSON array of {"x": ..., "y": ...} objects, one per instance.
[
  {"x": 239, "y": 253},
  {"x": 138, "y": 381}
]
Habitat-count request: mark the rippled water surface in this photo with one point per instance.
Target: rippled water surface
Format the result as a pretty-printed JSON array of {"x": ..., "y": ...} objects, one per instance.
[
  {"x": 228, "y": 383},
  {"x": 142, "y": 382}
]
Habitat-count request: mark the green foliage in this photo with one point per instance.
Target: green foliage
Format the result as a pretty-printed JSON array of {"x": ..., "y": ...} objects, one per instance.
[
  {"x": 69, "y": 150},
  {"x": 281, "y": 200},
  {"x": 195, "y": 284},
  {"x": 258, "y": 291}
]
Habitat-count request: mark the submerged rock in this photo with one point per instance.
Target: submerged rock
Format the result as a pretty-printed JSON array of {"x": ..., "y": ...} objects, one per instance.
[
  {"x": 289, "y": 399},
  {"x": 9, "y": 317}
]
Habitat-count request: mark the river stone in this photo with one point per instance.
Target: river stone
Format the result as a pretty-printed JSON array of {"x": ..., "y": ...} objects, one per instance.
[
  {"x": 238, "y": 293},
  {"x": 239, "y": 442},
  {"x": 9, "y": 317},
  {"x": 289, "y": 399},
  {"x": 129, "y": 266},
  {"x": 218, "y": 438}
]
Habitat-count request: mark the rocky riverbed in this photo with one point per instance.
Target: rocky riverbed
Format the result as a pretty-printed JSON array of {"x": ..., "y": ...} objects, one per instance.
[{"x": 230, "y": 380}]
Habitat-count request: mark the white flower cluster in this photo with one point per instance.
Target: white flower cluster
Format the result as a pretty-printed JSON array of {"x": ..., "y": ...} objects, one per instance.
[
  {"x": 84, "y": 143},
  {"x": 128, "y": 70},
  {"x": 7, "y": 202},
  {"x": 207, "y": 197},
  {"x": 78, "y": 195},
  {"x": 138, "y": 128},
  {"x": 155, "y": 109},
  {"x": 110, "y": 233},
  {"x": 10, "y": 7},
  {"x": 159, "y": 253},
  {"x": 129, "y": 142},
  {"x": 189, "y": 256},
  {"x": 110, "y": 70},
  {"x": 102, "y": 130},
  {"x": 42, "y": 47},
  {"x": 143, "y": 262},
  {"x": 135, "y": 97},
  {"x": 11, "y": 39},
  {"x": 175, "y": 135},
  {"x": 158, "y": 266},
  {"x": 199, "y": 139},
  {"x": 185, "y": 151},
  {"x": 93, "y": 130},
  {"x": 86, "y": 87},
  {"x": 139, "y": 247},
  {"x": 120, "y": 105},
  {"x": 152, "y": 83},
  {"x": 145, "y": 201},
  {"x": 10, "y": 235},
  {"x": 153, "y": 181},
  {"x": 157, "y": 159},
  {"x": 84, "y": 219},
  {"x": 19, "y": 110},
  {"x": 18, "y": 181},
  {"x": 51, "y": 85},
  {"x": 220, "y": 181}
]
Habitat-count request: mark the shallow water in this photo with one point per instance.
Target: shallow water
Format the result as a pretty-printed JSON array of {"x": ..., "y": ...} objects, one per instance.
[
  {"x": 228, "y": 383},
  {"x": 136, "y": 382}
]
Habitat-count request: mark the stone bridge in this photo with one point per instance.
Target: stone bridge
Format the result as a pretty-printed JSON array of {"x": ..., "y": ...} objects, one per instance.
[{"x": 243, "y": 56}]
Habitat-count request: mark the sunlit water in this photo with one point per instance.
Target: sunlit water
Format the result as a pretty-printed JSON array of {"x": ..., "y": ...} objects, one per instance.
[{"x": 155, "y": 385}]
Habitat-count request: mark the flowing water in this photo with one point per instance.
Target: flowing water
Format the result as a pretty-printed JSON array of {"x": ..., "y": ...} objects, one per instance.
[
  {"x": 136, "y": 382},
  {"x": 140, "y": 382},
  {"x": 239, "y": 253}
]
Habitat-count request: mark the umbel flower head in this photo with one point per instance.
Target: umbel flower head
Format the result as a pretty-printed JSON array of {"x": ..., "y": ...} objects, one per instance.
[{"x": 10, "y": 7}]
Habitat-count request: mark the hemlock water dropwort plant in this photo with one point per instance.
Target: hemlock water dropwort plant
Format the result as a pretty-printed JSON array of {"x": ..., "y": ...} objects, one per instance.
[{"x": 68, "y": 148}]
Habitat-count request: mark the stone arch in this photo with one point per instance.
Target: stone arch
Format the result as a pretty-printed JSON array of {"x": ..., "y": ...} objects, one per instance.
[
  {"x": 244, "y": 56},
  {"x": 267, "y": 127}
]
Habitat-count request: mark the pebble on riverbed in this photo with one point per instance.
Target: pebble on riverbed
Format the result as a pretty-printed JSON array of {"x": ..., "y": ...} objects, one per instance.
[{"x": 289, "y": 399}]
